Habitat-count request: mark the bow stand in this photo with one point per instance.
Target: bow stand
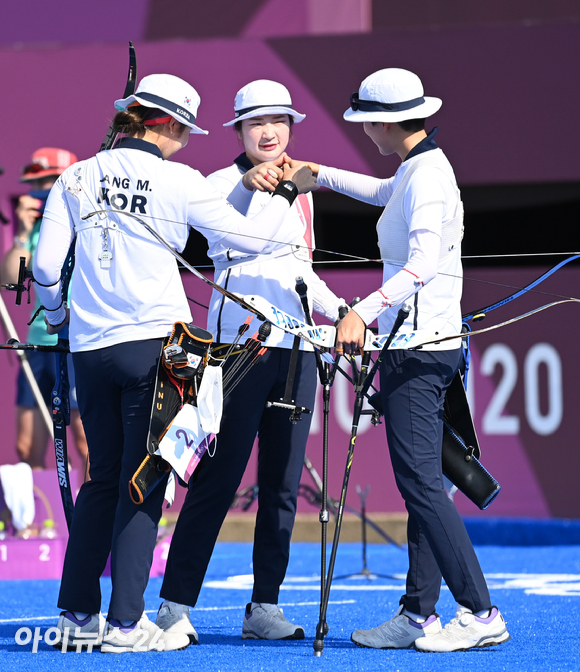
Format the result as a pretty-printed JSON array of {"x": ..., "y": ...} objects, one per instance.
[{"x": 362, "y": 385}]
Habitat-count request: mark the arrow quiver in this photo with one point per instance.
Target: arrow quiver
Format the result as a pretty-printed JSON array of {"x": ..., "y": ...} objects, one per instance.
[
  {"x": 186, "y": 351},
  {"x": 461, "y": 451},
  {"x": 179, "y": 371}
]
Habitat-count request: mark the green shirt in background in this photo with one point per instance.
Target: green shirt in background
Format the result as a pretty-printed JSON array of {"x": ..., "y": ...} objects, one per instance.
[{"x": 37, "y": 330}]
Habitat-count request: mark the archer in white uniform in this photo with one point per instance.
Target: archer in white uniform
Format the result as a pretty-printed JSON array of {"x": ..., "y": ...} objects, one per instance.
[
  {"x": 125, "y": 296},
  {"x": 419, "y": 233},
  {"x": 264, "y": 116},
  {"x": 272, "y": 273}
]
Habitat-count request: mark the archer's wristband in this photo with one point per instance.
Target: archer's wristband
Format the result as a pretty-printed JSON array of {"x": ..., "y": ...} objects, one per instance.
[{"x": 288, "y": 189}]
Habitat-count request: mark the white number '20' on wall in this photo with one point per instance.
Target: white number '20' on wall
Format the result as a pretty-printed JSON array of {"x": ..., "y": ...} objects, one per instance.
[{"x": 495, "y": 420}]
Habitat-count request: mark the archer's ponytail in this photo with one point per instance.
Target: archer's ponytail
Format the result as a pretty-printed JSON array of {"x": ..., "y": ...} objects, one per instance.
[{"x": 130, "y": 121}]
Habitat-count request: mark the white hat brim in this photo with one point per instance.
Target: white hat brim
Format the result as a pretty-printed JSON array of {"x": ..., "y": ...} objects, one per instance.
[
  {"x": 277, "y": 109},
  {"x": 123, "y": 104},
  {"x": 426, "y": 109}
]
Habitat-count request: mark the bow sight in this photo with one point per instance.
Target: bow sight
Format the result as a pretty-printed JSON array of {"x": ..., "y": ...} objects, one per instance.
[{"x": 21, "y": 285}]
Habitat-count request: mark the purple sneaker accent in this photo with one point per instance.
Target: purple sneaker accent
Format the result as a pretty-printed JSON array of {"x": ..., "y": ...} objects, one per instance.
[
  {"x": 489, "y": 619},
  {"x": 422, "y": 626},
  {"x": 123, "y": 628},
  {"x": 430, "y": 620},
  {"x": 71, "y": 617},
  {"x": 82, "y": 633},
  {"x": 467, "y": 631}
]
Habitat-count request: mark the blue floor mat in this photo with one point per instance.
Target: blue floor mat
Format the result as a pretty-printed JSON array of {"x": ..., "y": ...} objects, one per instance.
[{"x": 536, "y": 588}]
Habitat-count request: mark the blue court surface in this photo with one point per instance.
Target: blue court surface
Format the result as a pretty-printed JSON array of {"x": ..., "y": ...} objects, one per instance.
[{"x": 537, "y": 589}]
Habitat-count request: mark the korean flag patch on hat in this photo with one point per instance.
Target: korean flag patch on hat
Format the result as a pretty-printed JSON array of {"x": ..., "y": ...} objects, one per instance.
[{"x": 170, "y": 94}]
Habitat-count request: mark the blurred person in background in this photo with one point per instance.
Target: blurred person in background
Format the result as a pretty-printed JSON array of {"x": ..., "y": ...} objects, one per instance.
[{"x": 46, "y": 165}]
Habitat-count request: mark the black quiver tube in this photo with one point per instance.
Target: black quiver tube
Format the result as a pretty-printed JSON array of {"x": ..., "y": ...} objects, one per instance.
[
  {"x": 461, "y": 451},
  {"x": 460, "y": 460},
  {"x": 465, "y": 471}
]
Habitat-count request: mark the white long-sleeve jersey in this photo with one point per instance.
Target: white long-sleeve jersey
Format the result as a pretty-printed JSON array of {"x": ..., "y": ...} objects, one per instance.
[
  {"x": 126, "y": 285},
  {"x": 272, "y": 272},
  {"x": 419, "y": 237}
]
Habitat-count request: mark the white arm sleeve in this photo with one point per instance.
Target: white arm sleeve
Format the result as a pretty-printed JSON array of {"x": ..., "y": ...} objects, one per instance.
[
  {"x": 238, "y": 196},
  {"x": 56, "y": 235},
  {"x": 219, "y": 222},
  {"x": 362, "y": 187},
  {"x": 324, "y": 301},
  {"x": 421, "y": 268}
]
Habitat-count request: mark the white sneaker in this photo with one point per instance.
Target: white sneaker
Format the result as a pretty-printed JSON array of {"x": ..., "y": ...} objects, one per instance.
[
  {"x": 400, "y": 632},
  {"x": 267, "y": 621},
  {"x": 467, "y": 631},
  {"x": 174, "y": 618},
  {"x": 76, "y": 634},
  {"x": 144, "y": 636}
]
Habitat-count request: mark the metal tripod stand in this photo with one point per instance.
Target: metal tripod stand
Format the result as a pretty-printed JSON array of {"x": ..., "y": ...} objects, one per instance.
[{"x": 365, "y": 572}]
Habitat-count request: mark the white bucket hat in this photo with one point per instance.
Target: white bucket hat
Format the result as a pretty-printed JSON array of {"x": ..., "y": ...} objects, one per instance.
[
  {"x": 170, "y": 94},
  {"x": 263, "y": 96},
  {"x": 391, "y": 95}
]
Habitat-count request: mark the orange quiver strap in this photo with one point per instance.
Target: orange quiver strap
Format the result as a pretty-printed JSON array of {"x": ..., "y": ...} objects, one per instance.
[
  {"x": 150, "y": 472},
  {"x": 184, "y": 356}
]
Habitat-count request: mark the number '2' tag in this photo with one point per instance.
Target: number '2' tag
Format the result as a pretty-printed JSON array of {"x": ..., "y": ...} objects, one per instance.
[{"x": 185, "y": 442}]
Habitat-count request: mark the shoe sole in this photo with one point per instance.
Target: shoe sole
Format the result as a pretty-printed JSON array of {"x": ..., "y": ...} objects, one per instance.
[
  {"x": 482, "y": 644},
  {"x": 298, "y": 634},
  {"x": 126, "y": 649},
  {"x": 108, "y": 648},
  {"x": 193, "y": 638},
  {"x": 381, "y": 648},
  {"x": 73, "y": 647}
]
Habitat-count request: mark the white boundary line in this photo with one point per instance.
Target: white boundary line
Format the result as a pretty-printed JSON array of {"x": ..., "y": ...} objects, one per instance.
[{"x": 154, "y": 611}]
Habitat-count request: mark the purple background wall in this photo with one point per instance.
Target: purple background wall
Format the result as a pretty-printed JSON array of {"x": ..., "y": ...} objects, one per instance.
[
  {"x": 507, "y": 73},
  {"x": 537, "y": 471},
  {"x": 495, "y": 129}
]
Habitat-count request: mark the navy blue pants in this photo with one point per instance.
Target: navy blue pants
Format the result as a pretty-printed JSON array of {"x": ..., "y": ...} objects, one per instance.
[
  {"x": 413, "y": 386},
  {"x": 115, "y": 391},
  {"x": 280, "y": 461}
]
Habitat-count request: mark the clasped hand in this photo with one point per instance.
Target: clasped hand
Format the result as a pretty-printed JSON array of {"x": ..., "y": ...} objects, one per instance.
[
  {"x": 266, "y": 176},
  {"x": 350, "y": 334}
]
